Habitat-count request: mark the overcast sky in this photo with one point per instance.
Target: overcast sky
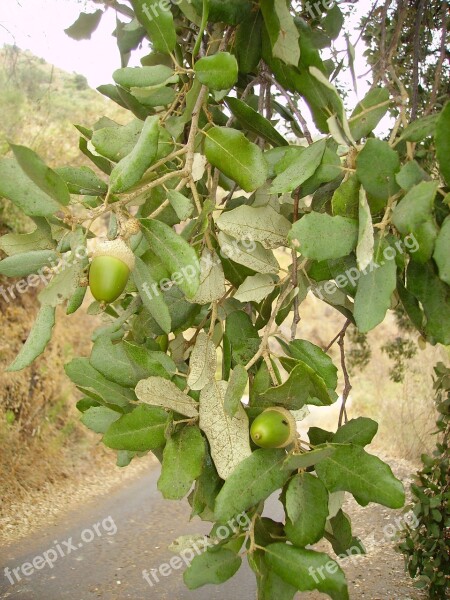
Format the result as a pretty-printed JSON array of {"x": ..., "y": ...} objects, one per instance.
[{"x": 38, "y": 26}]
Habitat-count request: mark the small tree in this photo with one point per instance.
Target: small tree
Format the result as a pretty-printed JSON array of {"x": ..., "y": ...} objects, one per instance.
[
  {"x": 426, "y": 548},
  {"x": 198, "y": 190}
]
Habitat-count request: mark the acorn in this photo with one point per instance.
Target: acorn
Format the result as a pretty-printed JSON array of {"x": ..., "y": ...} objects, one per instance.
[
  {"x": 110, "y": 269},
  {"x": 275, "y": 427}
]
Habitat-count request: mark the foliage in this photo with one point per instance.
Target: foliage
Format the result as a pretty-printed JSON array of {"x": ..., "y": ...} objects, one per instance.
[
  {"x": 426, "y": 547},
  {"x": 205, "y": 199}
]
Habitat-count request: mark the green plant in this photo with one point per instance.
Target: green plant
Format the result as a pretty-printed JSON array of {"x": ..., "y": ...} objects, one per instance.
[
  {"x": 426, "y": 548},
  {"x": 216, "y": 187}
]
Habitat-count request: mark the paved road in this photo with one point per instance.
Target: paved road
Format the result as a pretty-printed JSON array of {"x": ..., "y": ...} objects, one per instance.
[{"x": 110, "y": 566}]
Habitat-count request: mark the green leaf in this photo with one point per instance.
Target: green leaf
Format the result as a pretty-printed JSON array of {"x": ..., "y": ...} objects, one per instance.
[
  {"x": 282, "y": 31},
  {"x": 262, "y": 224},
  {"x": 434, "y": 296},
  {"x": 333, "y": 21},
  {"x": 308, "y": 234},
  {"x": 80, "y": 371},
  {"x": 345, "y": 201},
  {"x": 20, "y": 265},
  {"x": 255, "y": 288},
  {"x": 45, "y": 178},
  {"x": 307, "y": 570},
  {"x": 341, "y": 539},
  {"x": 269, "y": 584},
  {"x": 130, "y": 169},
  {"x": 376, "y": 167},
  {"x": 202, "y": 362},
  {"x": 100, "y": 162},
  {"x": 99, "y": 418},
  {"x": 158, "y": 391},
  {"x": 331, "y": 99},
  {"x": 307, "y": 509},
  {"x": 184, "y": 207},
  {"x": 350, "y": 468},
  {"x": 314, "y": 357},
  {"x": 235, "y": 390},
  {"x": 231, "y": 12},
  {"x": 255, "y": 257},
  {"x": 212, "y": 279},
  {"x": 443, "y": 143},
  {"x": 84, "y": 26},
  {"x": 115, "y": 142},
  {"x": 126, "y": 364},
  {"x": 159, "y": 96},
  {"x": 360, "y": 431},
  {"x": 231, "y": 152},
  {"x": 62, "y": 286},
  {"x": 212, "y": 567},
  {"x": 414, "y": 215},
  {"x": 82, "y": 181},
  {"x": 218, "y": 71},
  {"x": 366, "y": 241},
  {"x": 248, "y": 42},
  {"x": 442, "y": 251},
  {"x": 37, "y": 340},
  {"x": 419, "y": 129},
  {"x": 140, "y": 430},
  {"x": 175, "y": 254},
  {"x": 253, "y": 121},
  {"x": 375, "y": 288},
  {"x": 303, "y": 386},
  {"x": 142, "y": 77},
  {"x": 157, "y": 19},
  {"x": 253, "y": 480},
  {"x": 410, "y": 175},
  {"x": 182, "y": 463},
  {"x": 369, "y": 112},
  {"x": 206, "y": 488},
  {"x": 300, "y": 168},
  {"x": 19, "y": 243},
  {"x": 308, "y": 459},
  {"x": 228, "y": 436},
  {"x": 151, "y": 295},
  {"x": 23, "y": 192}
]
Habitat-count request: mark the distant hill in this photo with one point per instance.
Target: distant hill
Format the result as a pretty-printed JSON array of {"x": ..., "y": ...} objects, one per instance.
[{"x": 40, "y": 103}]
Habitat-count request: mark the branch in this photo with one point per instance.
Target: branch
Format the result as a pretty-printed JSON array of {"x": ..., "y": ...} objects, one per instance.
[
  {"x": 268, "y": 327},
  {"x": 416, "y": 59},
  {"x": 347, "y": 384},
  {"x": 296, "y": 319},
  {"x": 440, "y": 62},
  {"x": 292, "y": 106}
]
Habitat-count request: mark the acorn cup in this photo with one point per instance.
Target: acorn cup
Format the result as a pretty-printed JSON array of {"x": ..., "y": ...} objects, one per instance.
[{"x": 110, "y": 269}]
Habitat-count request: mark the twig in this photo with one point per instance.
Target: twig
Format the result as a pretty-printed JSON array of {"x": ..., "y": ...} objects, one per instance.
[
  {"x": 296, "y": 319},
  {"x": 292, "y": 106},
  {"x": 440, "y": 62},
  {"x": 268, "y": 327},
  {"x": 416, "y": 58},
  {"x": 347, "y": 384}
]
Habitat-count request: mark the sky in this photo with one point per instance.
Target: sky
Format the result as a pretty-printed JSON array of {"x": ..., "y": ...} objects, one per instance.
[{"x": 38, "y": 26}]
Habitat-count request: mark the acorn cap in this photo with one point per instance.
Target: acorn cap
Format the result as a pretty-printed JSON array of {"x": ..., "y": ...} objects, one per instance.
[
  {"x": 289, "y": 417},
  {"x": 118, "y": 249}
]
